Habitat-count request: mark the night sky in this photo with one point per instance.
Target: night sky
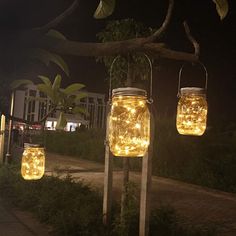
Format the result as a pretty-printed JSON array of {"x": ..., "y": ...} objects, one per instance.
[{"x": 217, "y": 41}]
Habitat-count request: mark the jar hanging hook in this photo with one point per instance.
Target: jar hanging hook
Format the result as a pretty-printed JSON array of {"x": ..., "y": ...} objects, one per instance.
[
  {"x": 180, "y": 74},
  {"x": 150, "y": 99}
]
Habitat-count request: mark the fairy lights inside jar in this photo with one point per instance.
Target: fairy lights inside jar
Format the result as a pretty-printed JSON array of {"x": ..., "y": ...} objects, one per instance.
[
  {"x": 129, "y": 122},
  {"x": 192, "y": 111},
  {"x": 33, "y": 162}
]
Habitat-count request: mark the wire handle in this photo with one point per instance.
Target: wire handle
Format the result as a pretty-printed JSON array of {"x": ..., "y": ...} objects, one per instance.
[
  {"x": 180, "y": 74},
  {"x": 150, "y": 99}
]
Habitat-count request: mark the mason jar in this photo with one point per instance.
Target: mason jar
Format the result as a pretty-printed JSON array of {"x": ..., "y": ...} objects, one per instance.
[
  {"x": 33, "y": 162},
  {"x": 192, "y": 111},
  {"x": 129, "y": 122}
]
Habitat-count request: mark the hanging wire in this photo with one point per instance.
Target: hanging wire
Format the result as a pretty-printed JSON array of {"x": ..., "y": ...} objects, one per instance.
[
  {"x": 180, "y": 75},
  {"x": 150, "y": 99}
]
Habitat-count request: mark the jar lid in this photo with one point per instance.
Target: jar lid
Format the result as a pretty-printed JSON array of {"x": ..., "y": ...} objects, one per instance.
[
  {"x": 192, "y": 90},
  {"x": 29, "y": 145},
  {"x": 129, "y": 91}
]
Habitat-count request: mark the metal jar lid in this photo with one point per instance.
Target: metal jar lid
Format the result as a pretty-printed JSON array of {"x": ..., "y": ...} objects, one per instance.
[
  {"x": 193, "y": 91},
  {"x": 129, "y": 91},
  {"x": 32, "y": 145}
]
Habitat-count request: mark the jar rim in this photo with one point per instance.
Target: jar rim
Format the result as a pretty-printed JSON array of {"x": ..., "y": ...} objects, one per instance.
[
  {"x": 126, "y": 91},
  {"x": 192, "y": 90},
  {"x": 29, "y": 145}
]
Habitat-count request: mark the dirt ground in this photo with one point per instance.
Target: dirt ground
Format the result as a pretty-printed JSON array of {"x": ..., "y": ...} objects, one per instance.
[{"x": 194, "y": 204}]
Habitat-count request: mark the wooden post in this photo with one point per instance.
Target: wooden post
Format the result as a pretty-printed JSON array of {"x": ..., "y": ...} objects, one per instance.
[
  {"x": 108, "y": 178},
  {"x": 2, "y": 138},
  {"x": 146, "y": 186},
  {"x": 124, "y": 186}
]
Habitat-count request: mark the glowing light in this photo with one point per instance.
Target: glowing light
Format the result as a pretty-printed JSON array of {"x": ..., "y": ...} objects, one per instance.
[
  {"x": 129, "y": 124},
  {"x": 192, "y": 112},
  {"x": 33, "y": 162}
]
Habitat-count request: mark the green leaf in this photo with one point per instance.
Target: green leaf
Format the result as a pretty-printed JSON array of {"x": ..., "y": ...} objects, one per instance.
[
  {"x": 55, "y": 34},
  {"x": 61, "y": 122},
  {"x": 73, "y": 88},
  {"x": 104, "y": 9},
  {"x": 56, "y": 84},
  {"x": 19, "y": 83},
  {"x": 61, "y": 63},
  {"x": 45, "y": 79},
  {"x": 80, "y": 96},
  {"x": 222, "y": 8},
  {"x": 46, "y": 57},
  {"x": 46, "y": 90}
]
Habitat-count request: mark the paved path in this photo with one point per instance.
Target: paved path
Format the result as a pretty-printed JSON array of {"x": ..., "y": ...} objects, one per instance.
[
  {"x": 195, "y": 205},
  {"x": 14, "y": 222}
]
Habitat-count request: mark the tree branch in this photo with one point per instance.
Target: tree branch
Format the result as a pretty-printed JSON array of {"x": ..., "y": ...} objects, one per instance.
[
  {"x": 192, "y": 39},
  {"x": 34, "y": 39},
  {"x": 59, "y": 18},
  {"x": 157, "y": 34}
]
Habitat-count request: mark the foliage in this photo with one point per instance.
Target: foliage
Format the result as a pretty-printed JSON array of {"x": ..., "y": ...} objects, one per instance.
[
  {"x": 106, "y": 8},
  {"x": 74, "y": 209},
  {"x": 64, "y": 100},
  {"x": 71, "y": 208},
  {"x": 134, "y": 64},
  {"x": 46, "y": 57},
  {"x": 87, "y": 144},
  {"x": 222, "y": 8}
]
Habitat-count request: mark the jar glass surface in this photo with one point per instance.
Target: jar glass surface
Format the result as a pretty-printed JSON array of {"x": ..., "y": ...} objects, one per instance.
[
  {"x": 33, "y": 163},
  {"x": 129, "y": 126},
  {"x": 192, "y": 114}
]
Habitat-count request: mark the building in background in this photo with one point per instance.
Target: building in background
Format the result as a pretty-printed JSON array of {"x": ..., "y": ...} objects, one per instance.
[{"x": 33, "y": 110}]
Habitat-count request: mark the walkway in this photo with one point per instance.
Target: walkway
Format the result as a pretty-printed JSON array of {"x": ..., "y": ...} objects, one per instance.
[
  {"x": 14, "y": 222},
  {"x": 196, "y": 205}
]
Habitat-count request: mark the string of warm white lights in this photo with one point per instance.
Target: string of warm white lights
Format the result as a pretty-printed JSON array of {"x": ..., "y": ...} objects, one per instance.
[
  {"x": 129, "y": 124},
  {"x": 33, "y": 162}
]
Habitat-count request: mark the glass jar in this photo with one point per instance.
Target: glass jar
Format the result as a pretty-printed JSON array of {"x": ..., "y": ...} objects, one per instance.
[
  {"x": 33, "y": 162},
  {"x": 129, "y": 122},
  {"x": 192, "y": 111}
]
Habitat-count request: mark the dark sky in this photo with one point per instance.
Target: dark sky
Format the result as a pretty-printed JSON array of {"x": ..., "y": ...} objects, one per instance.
[{"x": 217, "y": 40}]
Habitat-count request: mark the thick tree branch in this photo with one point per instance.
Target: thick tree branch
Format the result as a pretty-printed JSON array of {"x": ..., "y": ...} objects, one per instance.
[
  {"x": 65, "y": 47},
  {"x": 192, "y": 39},
  {"x": 157, "y": 34},
  {"x": 161, "y": 52},
  {"x": 34, "y": 39},
  {"x": 59, "y": 18}
]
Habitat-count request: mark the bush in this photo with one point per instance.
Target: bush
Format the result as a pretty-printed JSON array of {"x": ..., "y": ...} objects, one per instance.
[
  {"x": 87, "y": 144},
  {"x": 71, "y": 208}
]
